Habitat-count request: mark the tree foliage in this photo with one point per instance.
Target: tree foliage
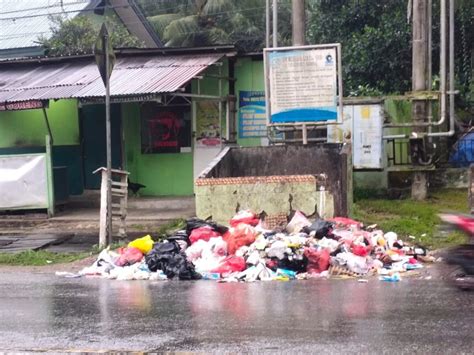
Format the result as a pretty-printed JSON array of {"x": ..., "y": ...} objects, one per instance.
[
  {"x": 78, "y": 35},
  {"x": 186, "y": 23},
  {"x": 375, "y": 38}
]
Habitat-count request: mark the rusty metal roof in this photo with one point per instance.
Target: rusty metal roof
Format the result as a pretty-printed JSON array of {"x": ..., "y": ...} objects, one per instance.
[{"x": 132, "y": 75}]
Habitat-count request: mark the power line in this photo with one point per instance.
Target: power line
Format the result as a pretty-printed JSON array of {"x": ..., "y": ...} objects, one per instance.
[
  {"x": 45, "y": 7},
  {"x": 132, "y": 22},
  {"x": 62, "y": 12}
]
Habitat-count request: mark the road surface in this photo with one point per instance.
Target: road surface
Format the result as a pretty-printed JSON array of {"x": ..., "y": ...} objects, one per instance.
[{"x": 43, "y": 312}]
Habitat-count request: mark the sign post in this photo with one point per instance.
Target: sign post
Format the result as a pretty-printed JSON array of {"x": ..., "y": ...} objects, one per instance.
[
  {"x": 105, "y": 58},
  {"x": 303, "y": 87}
]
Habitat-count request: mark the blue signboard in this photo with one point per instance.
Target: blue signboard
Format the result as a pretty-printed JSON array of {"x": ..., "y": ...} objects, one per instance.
[
  {"x": 252, "y": 117},
  {"x": 303, "y": 85}
]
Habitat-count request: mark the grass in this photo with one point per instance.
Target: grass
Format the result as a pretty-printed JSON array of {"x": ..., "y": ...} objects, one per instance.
[
  {"x": 39, "y": 258},
  {"x": 169, "y": 228},
  {"x": 44, "y": 257},
  {"x": 415, "y": 218}
]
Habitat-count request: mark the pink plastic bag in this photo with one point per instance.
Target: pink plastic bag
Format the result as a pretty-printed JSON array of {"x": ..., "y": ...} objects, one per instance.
[
  {"x": 128, "y": 256},
  {"x": 203, "y": 233},
  {"x": 231, "y": 264},
  {"x": 318, "y": 260},
  {"x": 345, "y": 222}
]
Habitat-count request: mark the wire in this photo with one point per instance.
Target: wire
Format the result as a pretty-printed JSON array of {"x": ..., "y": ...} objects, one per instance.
[
  {"x": 129, "y": 23},
  {"x": 44, "y": 7}
]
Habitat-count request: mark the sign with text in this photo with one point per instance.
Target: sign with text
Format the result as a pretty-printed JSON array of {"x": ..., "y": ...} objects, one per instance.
[
  {"x": 252, "y": 117},
  {"x": 23, "y": 105},
  {"x": 302, "y": 84}
]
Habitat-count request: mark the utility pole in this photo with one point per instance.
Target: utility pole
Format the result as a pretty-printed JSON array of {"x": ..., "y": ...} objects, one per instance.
[
  {"x": 419, "y": 187},
  {"x": 298, "y": 22}
]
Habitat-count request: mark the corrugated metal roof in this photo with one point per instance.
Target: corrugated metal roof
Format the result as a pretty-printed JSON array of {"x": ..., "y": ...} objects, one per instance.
[
  {"x": 137, "y": 75},
  {"x": 23, "y": 22}
]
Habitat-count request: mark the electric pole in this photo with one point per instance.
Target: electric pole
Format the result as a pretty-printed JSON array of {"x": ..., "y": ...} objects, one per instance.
[
  {"x": 419, "y": 187},
  {"x": 298, "y": 22}
]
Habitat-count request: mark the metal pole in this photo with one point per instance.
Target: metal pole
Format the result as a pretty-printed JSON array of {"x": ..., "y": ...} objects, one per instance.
[
  {"x": 298, "y": 22},
  {"x": 430, "y": 60},
  {"x": 108, "y": 140},
  {"x": 305, "y": 134},
  {"x": 267, "y": 23},
  {"x": 451, "y": 63},
  {"x": 442, "y": 58},
  {"x": 275, "y": 23}
]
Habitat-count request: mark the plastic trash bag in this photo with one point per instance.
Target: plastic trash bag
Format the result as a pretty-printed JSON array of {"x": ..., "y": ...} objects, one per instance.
[
  {"x": 246, "y": 217},
  {"x": 104, "y": 263},
  {"x": 194, "y": 223},
  {"x": 238, "y": 236},
  {"x": 128, "y": 256},
  {"x": 356, "y": 264},
  {"x": 203, "y": 233},
  {"x": 169, "y": 258},
  {"x": 319, "y": 228},
  {"x": 231, "y": 264},
  {"x": 318, "y": 260},
  {"x": 297, "y": 223},
  {"x": 278, "y": 249},
  {"x": 360, "y": 250},
  {"x": 344, "y": 222},
  {"x": 144, "y": 244},
  {"x": 207, "y": 255}
]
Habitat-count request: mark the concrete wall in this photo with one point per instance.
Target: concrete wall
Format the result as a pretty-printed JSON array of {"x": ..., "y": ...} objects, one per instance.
[{"x": 277, "y": 179}]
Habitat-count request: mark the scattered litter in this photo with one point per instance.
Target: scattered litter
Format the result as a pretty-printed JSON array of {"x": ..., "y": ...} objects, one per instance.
[
  {"x": 247, "y": 252},
  {"x": 391, "y": 278}
]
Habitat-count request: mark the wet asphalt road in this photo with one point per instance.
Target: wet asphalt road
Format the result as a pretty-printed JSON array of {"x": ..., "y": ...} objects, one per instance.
[{"x": 44, "y": 312}]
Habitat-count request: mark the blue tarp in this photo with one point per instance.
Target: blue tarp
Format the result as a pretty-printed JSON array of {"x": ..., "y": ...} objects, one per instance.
[{"x": 462, "y": 154}]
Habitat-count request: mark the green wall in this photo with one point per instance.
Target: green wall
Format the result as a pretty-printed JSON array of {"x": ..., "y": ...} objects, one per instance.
[
  {"x": 28, "y": 127},
  {"x": 23, "y": 132},
  {"x": 162, "y": 174},
  {"x": 249, "y": 74}
]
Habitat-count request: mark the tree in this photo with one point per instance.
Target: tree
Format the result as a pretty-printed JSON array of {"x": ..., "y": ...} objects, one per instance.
[
  {"x": 375, "y": 38},
  {"x": 184, "y": 23},
  {"x": 78, "y": 35}
]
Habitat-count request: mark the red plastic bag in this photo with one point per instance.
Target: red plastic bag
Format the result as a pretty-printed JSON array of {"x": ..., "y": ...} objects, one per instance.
[
  {"x": 231, "y": 264},
  {"x": 128, "y": 256},
  {"x": 203, "y": 233},
  {"x": 345, "y": 222},
  {"x": 238, "y": 236},
  {"x": 246, "y": 217},
  {"x": 360, "y": 250},
  {"x": 318, "y": 260}
]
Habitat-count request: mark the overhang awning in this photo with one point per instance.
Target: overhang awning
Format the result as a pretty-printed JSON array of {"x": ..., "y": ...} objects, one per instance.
[{"x": 80, "y": 78}]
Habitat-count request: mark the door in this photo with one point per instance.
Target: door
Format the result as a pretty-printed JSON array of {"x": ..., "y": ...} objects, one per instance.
[
  {"x": 94, "y": 141},
  {"x": 208, "y": 131}
]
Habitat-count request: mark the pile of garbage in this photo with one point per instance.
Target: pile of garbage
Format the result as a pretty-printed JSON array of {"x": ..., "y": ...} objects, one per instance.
[{"x": 248, "y": 251}]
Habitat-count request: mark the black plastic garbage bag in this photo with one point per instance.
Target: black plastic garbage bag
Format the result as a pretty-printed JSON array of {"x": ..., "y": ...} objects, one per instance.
[
  {"x": 180, "y": 236},
  {"x": 194, "y": 223},
  {"x": 168, "y": 258},
  {"x": 298, "y": 265},
  {"x": 319, "y": 228}
]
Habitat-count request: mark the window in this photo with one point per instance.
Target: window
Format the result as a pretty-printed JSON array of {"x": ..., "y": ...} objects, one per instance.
[{"x": 165, "y": 129}]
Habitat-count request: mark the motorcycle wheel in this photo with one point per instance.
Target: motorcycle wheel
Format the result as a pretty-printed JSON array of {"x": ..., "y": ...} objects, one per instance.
[{"x": 456, "y": 276}]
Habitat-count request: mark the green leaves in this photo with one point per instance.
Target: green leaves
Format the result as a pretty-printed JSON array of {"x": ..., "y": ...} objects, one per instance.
[{"x": 78, "y": 35}]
